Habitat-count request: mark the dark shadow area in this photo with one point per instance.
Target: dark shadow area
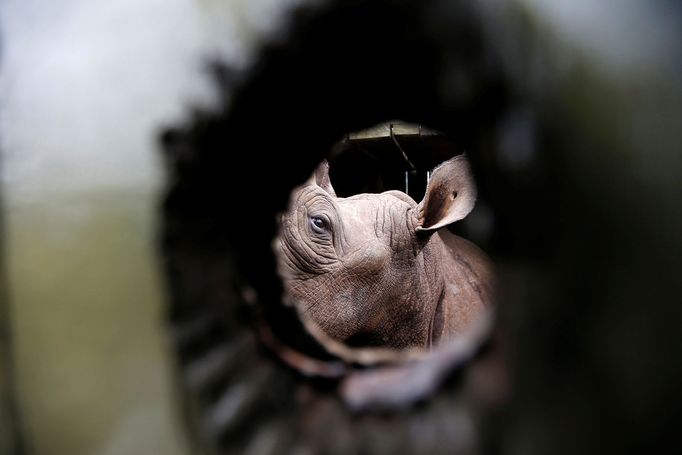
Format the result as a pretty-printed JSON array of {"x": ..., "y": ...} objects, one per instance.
[{"x": 389, "y": 160}]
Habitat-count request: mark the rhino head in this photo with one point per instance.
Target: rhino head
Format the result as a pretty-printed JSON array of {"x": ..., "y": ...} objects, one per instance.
[{"x": 377, "y": 269}]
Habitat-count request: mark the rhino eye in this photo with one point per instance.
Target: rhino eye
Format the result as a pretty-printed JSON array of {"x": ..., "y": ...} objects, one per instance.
[{"x": 318, "y": 224}]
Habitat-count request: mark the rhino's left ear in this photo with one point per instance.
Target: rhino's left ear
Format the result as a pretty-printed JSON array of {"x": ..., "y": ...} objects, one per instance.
[
  {"x": 321, "y": 178},
  {"x": 450, "y": 195}
]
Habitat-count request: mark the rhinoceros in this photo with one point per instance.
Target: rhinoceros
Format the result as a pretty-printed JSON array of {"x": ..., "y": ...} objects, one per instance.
[{"x": 380, "y": 270}]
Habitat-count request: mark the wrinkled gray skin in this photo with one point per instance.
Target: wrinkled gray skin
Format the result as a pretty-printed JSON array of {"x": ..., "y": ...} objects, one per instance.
[{"x": 377, "y": 269}]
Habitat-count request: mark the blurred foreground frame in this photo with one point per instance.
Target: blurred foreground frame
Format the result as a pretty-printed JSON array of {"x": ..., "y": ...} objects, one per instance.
[{"x": 584, "y": 354}]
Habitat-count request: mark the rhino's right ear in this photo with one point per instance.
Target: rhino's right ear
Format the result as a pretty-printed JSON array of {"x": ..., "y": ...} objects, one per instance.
[
  {"x": 450, "y": 195},
  {"x": 321, "y": 178}
]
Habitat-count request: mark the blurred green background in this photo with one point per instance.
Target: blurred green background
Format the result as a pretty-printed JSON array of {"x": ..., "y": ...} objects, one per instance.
[{"x": 92, "y": 366}]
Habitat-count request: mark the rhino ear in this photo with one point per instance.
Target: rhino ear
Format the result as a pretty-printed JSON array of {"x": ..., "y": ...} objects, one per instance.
[
  {"x": 450, "y": 195},
  {"x": 321, "y": 178}
]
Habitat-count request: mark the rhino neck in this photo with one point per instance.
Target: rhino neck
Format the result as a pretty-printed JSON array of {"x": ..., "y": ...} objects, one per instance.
[
  {"x": 430, "y": 288},
  {"x": 464, "y": 282}
]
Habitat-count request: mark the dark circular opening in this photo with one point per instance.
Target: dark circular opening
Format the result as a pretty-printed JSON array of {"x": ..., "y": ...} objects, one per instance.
[{"x": 559, "y": 179}]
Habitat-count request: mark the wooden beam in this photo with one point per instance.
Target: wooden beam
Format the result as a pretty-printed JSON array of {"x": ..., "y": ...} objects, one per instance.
[{"x": 384, "y": 130}]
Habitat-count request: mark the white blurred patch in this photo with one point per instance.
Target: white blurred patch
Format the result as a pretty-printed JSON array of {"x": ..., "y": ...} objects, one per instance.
[
  {"x": 626, "y": 35},
  {"x": 87, "y": 85}
]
